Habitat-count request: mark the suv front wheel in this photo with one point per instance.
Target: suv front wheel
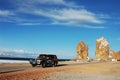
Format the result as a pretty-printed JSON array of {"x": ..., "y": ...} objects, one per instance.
[{"x": 55, "y": 64}]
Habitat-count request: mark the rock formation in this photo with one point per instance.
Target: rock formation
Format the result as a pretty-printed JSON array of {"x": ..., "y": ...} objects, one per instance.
[
  {"x": 118, "y": 55},
  {"x": 111, "y": 54},
  {"x": 82, "y": 51},
  {"x": 102, "y": 49},
  {"x": 114, "y": 55}
]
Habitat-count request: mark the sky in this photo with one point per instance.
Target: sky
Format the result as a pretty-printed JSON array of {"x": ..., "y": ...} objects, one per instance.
[{"x": 32, "y": 27}]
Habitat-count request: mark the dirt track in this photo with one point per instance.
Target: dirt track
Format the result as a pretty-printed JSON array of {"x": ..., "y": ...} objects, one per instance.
[{"x": 65, "y": 70}]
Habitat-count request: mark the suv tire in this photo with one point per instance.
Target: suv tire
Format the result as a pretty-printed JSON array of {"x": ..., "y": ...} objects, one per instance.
[
  {"x": 43, "y": 64},
  {"x": 55, "y": 64},
  {"x": 33, "y": 65}
]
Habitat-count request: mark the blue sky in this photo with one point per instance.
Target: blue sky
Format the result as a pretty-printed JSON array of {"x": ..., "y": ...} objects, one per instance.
[{"x": 31, "y": 27}]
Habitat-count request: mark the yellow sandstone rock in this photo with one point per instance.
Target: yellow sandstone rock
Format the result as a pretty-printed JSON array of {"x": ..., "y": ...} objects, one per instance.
[
  {"x": 82, "y": 51},
  {"x": 102, "y": 49},
  {"x": 114, "y": 55}
]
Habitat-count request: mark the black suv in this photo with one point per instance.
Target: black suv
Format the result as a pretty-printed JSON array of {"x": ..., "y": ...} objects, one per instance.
[{"x": 44, "y": 60}]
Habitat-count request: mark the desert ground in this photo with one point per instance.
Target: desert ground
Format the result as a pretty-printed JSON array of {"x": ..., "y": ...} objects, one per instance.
[{"x": 69, "y": 70}]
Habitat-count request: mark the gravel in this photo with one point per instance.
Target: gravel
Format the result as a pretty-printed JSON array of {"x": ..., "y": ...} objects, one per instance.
[{"x": 80, "y": 76}]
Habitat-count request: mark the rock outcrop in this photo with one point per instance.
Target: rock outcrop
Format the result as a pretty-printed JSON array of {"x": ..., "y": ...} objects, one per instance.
[
  {"x": 111, "y": 54},
  {"x": 82, "y": 51},
  {"x": 118, "y": 55},
  {"x": 114, "y": 55},
  {"x": 102, "y": 49}
]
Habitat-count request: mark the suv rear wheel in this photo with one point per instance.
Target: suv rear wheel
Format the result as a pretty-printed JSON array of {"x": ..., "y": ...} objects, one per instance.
[
  {"x": 33, "y": 65},
  {"x": 43, "y": 64}
]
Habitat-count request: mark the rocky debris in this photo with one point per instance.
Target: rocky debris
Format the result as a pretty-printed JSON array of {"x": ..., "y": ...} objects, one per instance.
[
  {"x": 102, "y": 49},
  {"x": 30, "y": 74},
  {"x": 82, "y": 51},
  {"x": 79, "y": 76},
  {"x": 91, "y": 60}
]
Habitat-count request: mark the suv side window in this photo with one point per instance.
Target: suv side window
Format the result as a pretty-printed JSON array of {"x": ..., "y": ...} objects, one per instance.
[
  {"x": 55, "y": 56},
  {"x": 52, "y": 56},
  {"x": 42, "y": 56}
]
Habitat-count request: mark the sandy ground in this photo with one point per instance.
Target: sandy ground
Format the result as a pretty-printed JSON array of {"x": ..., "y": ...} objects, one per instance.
[{"x": 64, "y": 71}]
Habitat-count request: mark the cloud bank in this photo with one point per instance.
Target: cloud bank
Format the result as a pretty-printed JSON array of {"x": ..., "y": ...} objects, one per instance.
[
  {"x": 52, "y": 12},
  {"x": 17, "y": 53}
]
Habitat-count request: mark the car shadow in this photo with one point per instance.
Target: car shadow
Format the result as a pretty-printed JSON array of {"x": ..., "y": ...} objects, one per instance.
[{"x": 59, "y": 65}]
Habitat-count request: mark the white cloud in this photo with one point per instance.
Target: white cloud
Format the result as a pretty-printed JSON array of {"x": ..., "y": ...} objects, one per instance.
[
  {"x": 13, "y": 50},
  {"x": 52, "y": 1},
  {"x": 17, "y": 53},
  {"x": 29, "y": 3},
  {"x": 26, "y": 5},
  {"x": 29, "y": 24},
  {"x": 59, "y": 2},
  {"x": 71, "y": 16},
  {"x": 104, "y": 16},
  {"x": 118, "y": 39},
  {"x": 78, "y": 25},
  {"x": 93, "y": 27},
  {"x": 5, "y": 13}
]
